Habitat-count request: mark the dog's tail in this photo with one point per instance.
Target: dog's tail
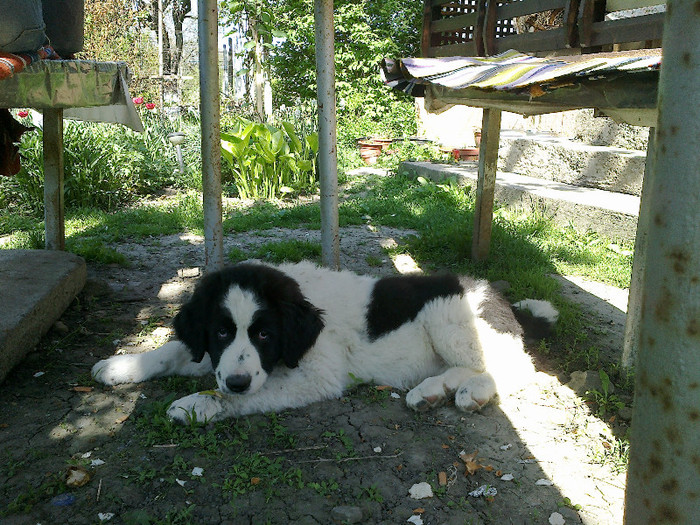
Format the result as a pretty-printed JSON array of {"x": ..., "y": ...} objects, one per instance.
[{"x": 536, "y": 317}]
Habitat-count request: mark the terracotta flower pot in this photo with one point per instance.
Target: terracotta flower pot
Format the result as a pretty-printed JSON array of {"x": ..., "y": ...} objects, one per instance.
[
  {"x": 466, "y": 153},
  {"x": 370, "y": 150}
]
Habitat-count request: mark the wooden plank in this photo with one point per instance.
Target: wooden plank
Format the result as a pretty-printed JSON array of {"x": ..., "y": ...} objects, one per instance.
[
  {"x": 637, "y": 91},
  {"x": 515, "y": 9},
  {"x": 486, "y": 184},
  {"x": 621, "y": 5},
  {"x": 550, "y": 40},
  {"x": 454, "y": 23},
  {"x": 637, "y": 29},
  {"x": 54, "y": 224},
  {"x": 465, "y": 49},
  {"x": 425, "y": 41}
]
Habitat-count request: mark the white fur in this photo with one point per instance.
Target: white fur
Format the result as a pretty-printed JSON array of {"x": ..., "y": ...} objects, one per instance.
[
  {"x": 537, "y": 308},
  {"x": 446, "y": 351}
]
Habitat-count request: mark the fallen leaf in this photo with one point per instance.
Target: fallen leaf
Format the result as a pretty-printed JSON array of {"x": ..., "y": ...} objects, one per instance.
[
  {"x": 82, "y": 389},
  {"x": 383, "y": 387},
  {"x": 76, "y": 476},
  {"x": 254, "y": 481},
  {"x": 470, "y": 463},
  {"x": 499, "y": 473},
  {"x": 122, "y": 419},
  {"x": 419, "y": 510},
  {"x": 442, "y": 478},
  {"x": 444, "y": 446}
]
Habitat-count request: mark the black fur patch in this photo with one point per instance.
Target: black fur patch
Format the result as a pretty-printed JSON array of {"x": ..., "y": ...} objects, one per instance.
[
  {"x": 397, "y": 300},
  {"x": 284, "y": 328}
]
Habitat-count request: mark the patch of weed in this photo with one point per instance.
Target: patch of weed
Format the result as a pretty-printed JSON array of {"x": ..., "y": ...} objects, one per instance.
[
  {"x": 371, "y": 493},
  {"x": 258, "y": 472}
]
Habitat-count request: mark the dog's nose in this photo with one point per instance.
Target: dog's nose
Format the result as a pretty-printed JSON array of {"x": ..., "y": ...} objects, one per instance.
[{"x": 238, "y": 382}]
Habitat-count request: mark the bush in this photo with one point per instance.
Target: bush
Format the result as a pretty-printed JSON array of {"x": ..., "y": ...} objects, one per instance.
[{"x": 105, "y": 166}]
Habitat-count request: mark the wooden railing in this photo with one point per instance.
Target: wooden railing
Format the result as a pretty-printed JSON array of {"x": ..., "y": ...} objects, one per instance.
[{"x": 484, "y": 27}]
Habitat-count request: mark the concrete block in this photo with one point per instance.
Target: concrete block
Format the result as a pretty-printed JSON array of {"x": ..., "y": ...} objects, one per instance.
[{"x": 36, "y": 287}]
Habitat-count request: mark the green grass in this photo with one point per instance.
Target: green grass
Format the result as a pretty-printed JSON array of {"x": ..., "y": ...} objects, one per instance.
[{"x": 526, "y": 246}]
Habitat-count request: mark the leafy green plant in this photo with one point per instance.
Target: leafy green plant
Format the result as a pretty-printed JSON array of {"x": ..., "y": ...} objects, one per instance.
[
  {"x": 607, "y": 401},
  {"x": 266, "y": 161}
]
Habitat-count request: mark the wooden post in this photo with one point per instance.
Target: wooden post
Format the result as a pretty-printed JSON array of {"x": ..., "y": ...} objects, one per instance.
[
  {"x": 53, "y": 180},
  {"x": 486, "y": 183}
]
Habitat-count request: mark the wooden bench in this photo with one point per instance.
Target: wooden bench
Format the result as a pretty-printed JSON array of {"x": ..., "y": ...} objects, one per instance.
[
  {"x": 558, "y": 28},
  {"x": 548, "y": 28}
]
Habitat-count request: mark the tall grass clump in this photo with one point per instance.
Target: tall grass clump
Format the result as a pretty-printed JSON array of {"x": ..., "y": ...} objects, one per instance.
[{"x": 105, "y": 166}]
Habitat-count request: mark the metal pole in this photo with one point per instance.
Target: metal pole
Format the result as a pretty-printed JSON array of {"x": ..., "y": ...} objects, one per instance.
[
  {"x": 211, "y": 141},
  {"x": 327, "y": 145},
  {"x": 634, "y": 302},
  {"x": 663, "y": 482}
]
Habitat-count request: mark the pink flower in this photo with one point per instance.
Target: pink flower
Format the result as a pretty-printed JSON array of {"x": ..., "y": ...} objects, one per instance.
[
  {"x": 23, "y": 113},
  {"x": 150, "y": 105},
  {"x": 137, "y": 100}
]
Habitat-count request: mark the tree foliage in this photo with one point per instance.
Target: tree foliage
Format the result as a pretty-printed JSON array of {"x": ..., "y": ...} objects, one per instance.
[
  {"x": 365, "y": 32},
  {"x": 114, "y": 31}
]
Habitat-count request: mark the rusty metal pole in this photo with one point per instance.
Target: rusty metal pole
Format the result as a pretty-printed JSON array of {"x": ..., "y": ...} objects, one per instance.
[
  {"x": 208, "y": 28},
  {"x": 663, "y": 481},
  {"x": 327, "y": 141}
]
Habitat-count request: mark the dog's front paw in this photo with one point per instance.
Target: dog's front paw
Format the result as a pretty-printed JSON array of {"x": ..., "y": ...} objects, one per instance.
[
  {"x": 201, "y": 407},
  {"x": 119, "y": 369}
]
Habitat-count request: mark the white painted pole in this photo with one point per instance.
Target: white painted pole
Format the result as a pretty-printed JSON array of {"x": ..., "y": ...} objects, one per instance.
[
  {"x": 211, "y": 138},
  {"x": 327, "y": 141},
  {"x": 663, "y": 481}
]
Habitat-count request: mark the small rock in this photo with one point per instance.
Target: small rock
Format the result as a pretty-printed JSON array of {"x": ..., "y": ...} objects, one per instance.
[
  {"x": 415, "y": 519},
  {"x": 544, "y": 482},
  {"x": 421, "y": 490},
  {"x": 60, "y": 327},
  {"x": 625, "y": 413},
  {"x": 347, "y": 514},
  {"x": 507, "y": 477},
  {"x": 556, "y": 519},
  {"x": 582, "y": 382}
]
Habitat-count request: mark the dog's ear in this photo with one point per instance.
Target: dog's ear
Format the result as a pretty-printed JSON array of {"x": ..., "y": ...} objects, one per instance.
[
  {"x": 302, "y": 322},
  {"x": 191, "y": 321}
]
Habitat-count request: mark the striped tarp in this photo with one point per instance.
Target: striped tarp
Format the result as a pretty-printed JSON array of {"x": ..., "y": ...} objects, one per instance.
[{"x": 510, "y": 71}]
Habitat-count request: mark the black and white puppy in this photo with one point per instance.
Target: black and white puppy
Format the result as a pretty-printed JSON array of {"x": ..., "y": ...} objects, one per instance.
[{"x": 280, "y": 337}]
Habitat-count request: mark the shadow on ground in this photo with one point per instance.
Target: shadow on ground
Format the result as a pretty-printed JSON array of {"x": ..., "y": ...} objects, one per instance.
[{"x": 348, "y": 460}]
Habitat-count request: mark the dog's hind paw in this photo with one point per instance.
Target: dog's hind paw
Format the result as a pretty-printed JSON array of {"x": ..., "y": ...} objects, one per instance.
[
  {"x": 429, "y": 394},
  {"x": 202, "y": 407},
  {"x": 475, "y": 393}
]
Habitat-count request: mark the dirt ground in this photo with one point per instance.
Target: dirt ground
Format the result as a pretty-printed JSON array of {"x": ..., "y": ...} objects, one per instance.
[{"x": 535, "y": 458}]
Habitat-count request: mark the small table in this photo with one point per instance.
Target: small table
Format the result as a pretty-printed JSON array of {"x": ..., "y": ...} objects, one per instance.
[{"x": 75, "y": 89}]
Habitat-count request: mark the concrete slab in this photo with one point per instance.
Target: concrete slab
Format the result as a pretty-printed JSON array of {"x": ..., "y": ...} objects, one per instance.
[
  {"x": 611, "y": 214},
  {"x": 36, "y": 286}
]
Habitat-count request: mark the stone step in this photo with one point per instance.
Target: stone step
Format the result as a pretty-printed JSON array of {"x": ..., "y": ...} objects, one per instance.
[
  {"x": 556, "y": 158},
  {"x": 36, "y": 286},
  {"x": 611, "y": 214}
]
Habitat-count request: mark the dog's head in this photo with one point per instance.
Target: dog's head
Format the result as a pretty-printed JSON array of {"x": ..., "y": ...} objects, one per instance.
[{"x": 248, "y": 318}]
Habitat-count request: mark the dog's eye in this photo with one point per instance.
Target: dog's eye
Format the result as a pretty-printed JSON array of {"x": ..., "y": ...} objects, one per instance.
[
  {"x": 263, "y": 335},
  {"x": 222, "y": 333}
]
